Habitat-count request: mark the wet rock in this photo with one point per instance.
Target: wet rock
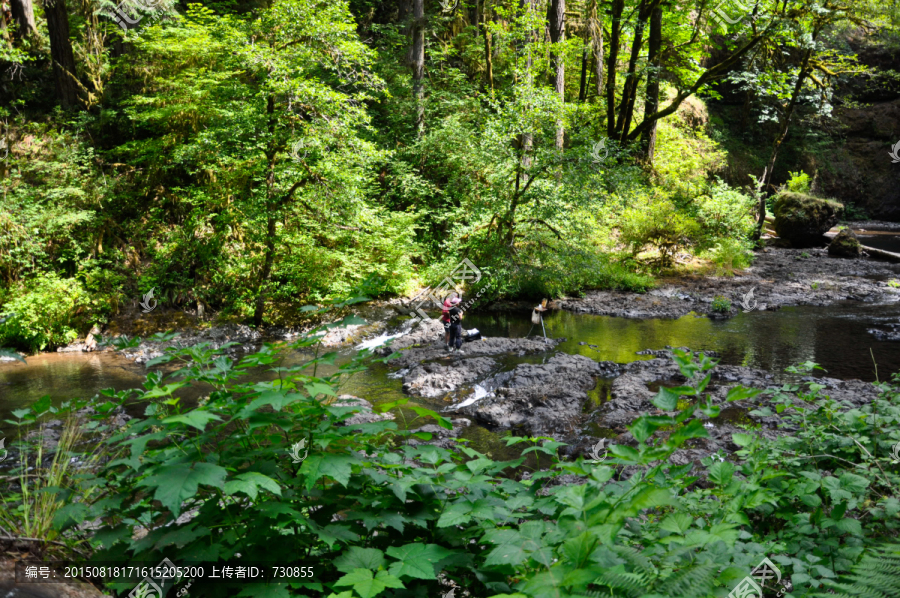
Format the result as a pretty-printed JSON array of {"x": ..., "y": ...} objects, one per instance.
[
  {"x": 436, "y": 379},
  {"x": 891, "y": 334},
  {"x": 541, "y": 398},
  {"x": 803, "y": 219},
  {"x": 845, "y": 244},
  {"x": 365, "y": 414}
]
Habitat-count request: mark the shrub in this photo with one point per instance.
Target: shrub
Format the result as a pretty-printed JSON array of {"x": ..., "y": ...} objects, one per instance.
[
  {"x": 658, "y": 225},
  {"x": 375, "y": 513},
  {"x": 721, "y": 304},
  {"x": 47, "y": 312},
  {"x": 724, "y": 213},
  {"x": 799, "y": 182},
  {"x": 729, "y": 254}
]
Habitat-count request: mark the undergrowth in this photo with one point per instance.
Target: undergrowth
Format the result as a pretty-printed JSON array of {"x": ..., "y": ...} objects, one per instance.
[{"x": 381, "y": 517}]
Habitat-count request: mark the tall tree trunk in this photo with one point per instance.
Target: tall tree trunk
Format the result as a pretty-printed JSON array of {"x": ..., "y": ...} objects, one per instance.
[
  {"x": 651, "y": 100},
  {"x": 488, "y": 58},
  {"x": 618, "y": 7},
  {"x": 597, "y": 47},
  {"x": 582, "y": 83},
  {"x": 782, "y": 135},
  {"x": 61, "y": 51},
  {"x": 527, "y": 139},
  {"x": 557, "y": 15},
  {"x": 23, "y": 15},
  {"x": 404, "y": 10},
  {"x": 629, "y": 91},
  {"x": 417, "y": 60}
]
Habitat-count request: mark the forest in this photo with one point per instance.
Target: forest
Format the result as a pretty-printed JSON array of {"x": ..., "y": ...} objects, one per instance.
[{"x": 242, "y": 203}]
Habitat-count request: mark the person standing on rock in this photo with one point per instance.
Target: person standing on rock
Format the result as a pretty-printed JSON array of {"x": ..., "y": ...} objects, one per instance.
[
  {"x": 445, "y": 319},
  {"x": 455, "y": 331}
]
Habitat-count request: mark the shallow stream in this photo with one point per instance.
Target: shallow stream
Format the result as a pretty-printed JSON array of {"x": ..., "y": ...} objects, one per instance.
[{"x": 835, "y": 337}]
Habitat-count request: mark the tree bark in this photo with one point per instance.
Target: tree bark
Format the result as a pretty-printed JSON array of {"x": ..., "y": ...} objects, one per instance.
[
  {"x": 488, "y": 58},
  {"x": 597, "y": 48},
  {"x": 403, "y": 12},
  {"x": 618, "y": 7},
  {"x": 557, "y": 15},
  {"x": 61, "y": 52},
  {"x": 629, "y": 92},
  {"x": 417, "y": 60},
  {"x": 651, "y": 100},
  {"x": 582, "y": 83},
  {"x": 23, "y": 15}
]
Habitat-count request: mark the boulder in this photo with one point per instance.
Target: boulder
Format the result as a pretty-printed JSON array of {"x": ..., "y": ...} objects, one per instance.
[
  {"x": 803, "y": 219},
  {"x": 845, "y": 244}
]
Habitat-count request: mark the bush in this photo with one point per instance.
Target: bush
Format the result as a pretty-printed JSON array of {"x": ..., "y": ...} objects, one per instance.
[
  {"x": 729, "y": 254},
  {"x": 721, "y": 305},
  {"x": 724, "y": 214},
  {"x": 799, "y": 182},
  {"x": 48, "y": 311},
  {"x": 658, "y": 225},
  {"x": 375, "y": 513}
]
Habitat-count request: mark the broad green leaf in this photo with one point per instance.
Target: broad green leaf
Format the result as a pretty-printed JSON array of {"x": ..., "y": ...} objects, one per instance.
[
  {"x": 164, "y": 391},
  {"x": 665, "y": 399},
  {"x": 416, "y": 560},
  {"x": 677, "y": 523},
  {"x": 721, "y": 472},
  {"x": 740, "y": 393},
  {"x": 196, "y": 418},
  {"x": 506, "y": 554},
  {"x": 250, "y": 482},
  {"x": 367, "y": 585},
  {"x": 742, "y": 439},
  {"x": 176, "y": 483},
  {"x": 360, "y": 558}
]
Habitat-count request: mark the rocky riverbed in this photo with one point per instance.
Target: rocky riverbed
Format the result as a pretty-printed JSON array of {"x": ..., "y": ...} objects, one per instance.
[
  {"x": 551, "y": 396},
  {"x": 777, "y": 278}
]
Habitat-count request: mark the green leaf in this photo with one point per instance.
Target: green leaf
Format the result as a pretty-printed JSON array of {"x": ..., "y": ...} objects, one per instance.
[
  {"x": 69, "y": 515},
  {"x": 665, "y": 399},
  {"x": 318, "y": 388},
  {"x": 196, "y": 418},
  {"x": 278, "y": 399},
  {"x": 740, "y": 393},
  {"x": 742, "y": 439},
  {"x": 250, "y": 482},
  {"x": 176, "y": 483},
  {"x": 164, "y": 391},
  {"x": 677, "y": 523},
  {"x": 360, "y": 558},
  {"x": 507, "y": 554},
  {"x": 721, "y": 473},
  {"x": 368, "y": 586},
  {"x": 417, "y": 560},
  {"x": 850, "y": 526},
  {"x": 13, "y": 354},
  {"x": 458, "y": 512}
]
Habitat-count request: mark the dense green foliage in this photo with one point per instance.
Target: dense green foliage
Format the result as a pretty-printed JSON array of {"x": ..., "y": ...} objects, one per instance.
[
  {"x": 379, "y": 515},
  {"x": 244, "y": 160}
]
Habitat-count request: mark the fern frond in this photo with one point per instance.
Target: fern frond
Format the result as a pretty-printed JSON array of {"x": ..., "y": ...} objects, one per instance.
[
  {"x": 636, "y": 560},
  {"x": 632, "y": 583},
  {"x": 877, "y": 575},
  {"x": 692, "y": 581}
]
